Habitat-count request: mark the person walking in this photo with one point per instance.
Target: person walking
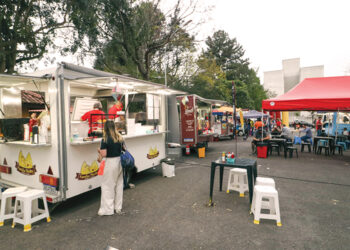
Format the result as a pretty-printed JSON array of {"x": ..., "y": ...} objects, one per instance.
[{"x": 112, "y": 179}]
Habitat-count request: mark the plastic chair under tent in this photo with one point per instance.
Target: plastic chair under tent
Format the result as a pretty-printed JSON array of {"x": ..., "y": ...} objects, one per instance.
[{"x": 323, "y": 144}]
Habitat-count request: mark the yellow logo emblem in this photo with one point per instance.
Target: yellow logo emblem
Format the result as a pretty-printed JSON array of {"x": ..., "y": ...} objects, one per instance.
[
  {"x": 87, "y": 172},
  {"x": 25, "y": 165},
  {"x": 153, "y": 153}
]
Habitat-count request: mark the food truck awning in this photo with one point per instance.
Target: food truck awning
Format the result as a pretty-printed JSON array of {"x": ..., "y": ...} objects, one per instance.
[
  {"x": 101, "y": 79},
  {"x": 211, "y": 101},
  {"x": 253, "y": 114},
  {"x": 15, "y": 80},
  {"x": 31, "y": 97}
]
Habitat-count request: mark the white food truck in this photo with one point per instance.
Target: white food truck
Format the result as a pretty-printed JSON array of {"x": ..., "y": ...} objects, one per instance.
[{"x": 61, "y": 158}]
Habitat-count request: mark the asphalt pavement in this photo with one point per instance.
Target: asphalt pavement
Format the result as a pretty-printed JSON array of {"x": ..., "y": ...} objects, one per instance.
[{"x": 173, "y": 213}]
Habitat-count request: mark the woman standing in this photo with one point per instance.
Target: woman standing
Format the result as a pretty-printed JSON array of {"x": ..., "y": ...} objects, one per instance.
[{"x": 112, "y": 179}]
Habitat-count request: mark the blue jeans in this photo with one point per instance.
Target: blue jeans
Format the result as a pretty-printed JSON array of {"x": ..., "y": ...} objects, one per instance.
[
  {"x": 319, "y": 132},
  {"x": 305, "y": 138}
]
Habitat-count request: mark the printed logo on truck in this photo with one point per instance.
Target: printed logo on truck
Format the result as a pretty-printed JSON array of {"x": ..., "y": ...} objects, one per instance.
[
  {"x": 153, "y": 153},
  {"x": 25, "y": 165},
  {"x": 87, "y": 171}
]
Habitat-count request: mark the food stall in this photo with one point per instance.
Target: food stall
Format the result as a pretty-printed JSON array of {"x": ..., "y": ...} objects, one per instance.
[
  {"x": 223, "y": 122},
  {"x": 196, "y": 120},
  {"x": 62, "y": 159}
]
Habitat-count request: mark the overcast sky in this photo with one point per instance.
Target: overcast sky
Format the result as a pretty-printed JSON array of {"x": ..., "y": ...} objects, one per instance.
[{"x": 316, "y": 31}]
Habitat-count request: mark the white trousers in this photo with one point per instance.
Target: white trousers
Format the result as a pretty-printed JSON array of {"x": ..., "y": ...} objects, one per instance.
[{"x": 111, "y": 187}]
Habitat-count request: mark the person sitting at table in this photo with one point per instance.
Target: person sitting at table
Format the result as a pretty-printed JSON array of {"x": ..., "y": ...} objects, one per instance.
[
  {"x": 308, "y": 134},
  {"x": 258, "y": 124},
  {"x": 286, "y": 133},
  {"x": 259, "y": 136},
  {"x": 275, "y": 130},
  {"x": 279, "y": 123}
]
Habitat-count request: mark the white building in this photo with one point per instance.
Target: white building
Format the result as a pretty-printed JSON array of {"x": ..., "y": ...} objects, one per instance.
[
  {"x": 281, "y": 81},
  {"x": 278, "y": 82}
]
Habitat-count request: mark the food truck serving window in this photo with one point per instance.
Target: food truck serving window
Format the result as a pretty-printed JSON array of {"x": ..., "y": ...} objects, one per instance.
[
  {"x": 24, "y": 113},
  {"x": 145, "y": 109}
]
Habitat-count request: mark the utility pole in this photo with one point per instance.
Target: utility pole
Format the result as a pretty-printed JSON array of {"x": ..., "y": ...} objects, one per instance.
[{"x": 234, "y": 116}]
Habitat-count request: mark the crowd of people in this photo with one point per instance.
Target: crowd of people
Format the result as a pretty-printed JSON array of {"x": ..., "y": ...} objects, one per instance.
[{"x": 263, "y": 130}]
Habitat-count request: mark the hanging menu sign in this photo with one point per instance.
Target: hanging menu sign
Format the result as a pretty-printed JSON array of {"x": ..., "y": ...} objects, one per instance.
[{"x": 188, "y": 125}]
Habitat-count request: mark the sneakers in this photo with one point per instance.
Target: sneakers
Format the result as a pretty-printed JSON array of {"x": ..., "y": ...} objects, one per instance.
[
  {"x": 102, "y": 214},
  {"x": 131, "y": 186},
  {"x": 119, "y": 212}
]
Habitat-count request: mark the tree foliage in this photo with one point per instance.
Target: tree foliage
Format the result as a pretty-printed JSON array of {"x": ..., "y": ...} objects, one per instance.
[
  {"x": 228, "y": 55},
  {"x": 136, "y": 37},
  {"x": 28, "y": 28}
]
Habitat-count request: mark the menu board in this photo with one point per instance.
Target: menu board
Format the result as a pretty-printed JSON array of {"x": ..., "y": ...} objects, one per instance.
[
  {"x": 81, "y": 106},
  {"x": 188, "y": 125}
]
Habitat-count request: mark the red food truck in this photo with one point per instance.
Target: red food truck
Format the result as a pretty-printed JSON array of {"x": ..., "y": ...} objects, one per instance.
[{"x": 196, "y": 120}]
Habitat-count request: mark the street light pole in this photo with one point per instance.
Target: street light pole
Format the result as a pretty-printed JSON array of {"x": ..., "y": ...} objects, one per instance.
[{"x": 234, "y": 115}]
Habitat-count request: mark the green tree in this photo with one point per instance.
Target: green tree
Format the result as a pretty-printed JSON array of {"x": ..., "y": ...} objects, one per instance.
[
  {"x": 138, "y": 35},
  {"x": 27, "y": 28},
  {"x": 229, "y": 55},
  {"x": 208, "y": 80}
]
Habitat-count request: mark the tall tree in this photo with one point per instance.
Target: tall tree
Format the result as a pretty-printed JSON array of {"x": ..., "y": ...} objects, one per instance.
[
  {"x": 229, "y": 55},
  {"x": 138, "y": 32},
  {"x": 224, "y": 50},
  {"x": 28, "y": 27}
]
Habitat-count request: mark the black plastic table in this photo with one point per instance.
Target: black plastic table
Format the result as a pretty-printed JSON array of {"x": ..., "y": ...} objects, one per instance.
[{"x": 248, "y": 164}]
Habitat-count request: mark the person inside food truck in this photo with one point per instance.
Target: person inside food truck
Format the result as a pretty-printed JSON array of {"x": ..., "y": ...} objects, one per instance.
[
  {"x": 95, "y": 118},
  {"x": 32, "y": 122},
  {"x": 118, "y": 106},
  {"x": 44, "y": 125}
]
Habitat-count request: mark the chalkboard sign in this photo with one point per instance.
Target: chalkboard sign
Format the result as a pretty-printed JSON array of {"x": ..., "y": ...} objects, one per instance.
[{"x": 81, "y": 106}]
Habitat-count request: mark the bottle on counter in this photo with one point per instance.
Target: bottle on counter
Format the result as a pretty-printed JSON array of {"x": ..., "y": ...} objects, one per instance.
[
  {"x": 35, "y": 135},
  {"x": 223, "y": 157}
]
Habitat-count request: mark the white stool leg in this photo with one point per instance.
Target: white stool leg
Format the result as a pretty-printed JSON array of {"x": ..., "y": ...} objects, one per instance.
[
  {"x": 277, "y": 208},
  {"x": 48, "y": 218},
  {"x": 229, "y": 183},
  {"x": 252, "y": 208},
  {"x": 27, "y": 215},
  {"x": 241, "y": 185},
  {"x": 257, "y": 208},
  {"x": 2, "y": 211}
]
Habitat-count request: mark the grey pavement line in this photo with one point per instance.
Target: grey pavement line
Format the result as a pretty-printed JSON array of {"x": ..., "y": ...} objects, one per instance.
[{"x": 280, "y": 177}]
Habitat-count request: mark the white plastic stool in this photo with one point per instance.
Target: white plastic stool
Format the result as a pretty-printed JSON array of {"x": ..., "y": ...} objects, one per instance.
[
  {"x": 7, "y": 210},
  {"x": 271, "y": 194},
  {"x": 264, "y": 181},
  {"x": 31, "y": 212},
  {"x": 238, "y": 181}
]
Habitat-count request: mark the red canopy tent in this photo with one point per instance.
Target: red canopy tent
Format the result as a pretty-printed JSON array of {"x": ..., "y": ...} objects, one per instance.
[{"x": 314, "y": 94}]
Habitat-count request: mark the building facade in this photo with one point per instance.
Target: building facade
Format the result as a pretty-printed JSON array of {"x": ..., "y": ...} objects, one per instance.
[
  {"x": 281, "y": 81},
  {"x": 278, "y": 82}
]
